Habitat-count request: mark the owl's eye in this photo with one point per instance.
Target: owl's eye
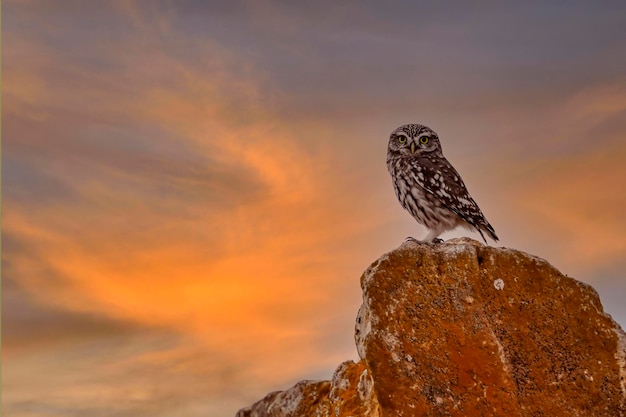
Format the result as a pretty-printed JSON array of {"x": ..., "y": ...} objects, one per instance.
[
  {"x": 402, "y": 139},
  {"x": 424, "y": 140}
]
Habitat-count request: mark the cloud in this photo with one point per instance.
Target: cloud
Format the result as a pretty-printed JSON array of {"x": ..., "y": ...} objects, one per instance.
[
  {"x": 190, "y": 196},
  {"x": 54, "y": 326},
  {"x": 175, "y": 200},
  {"x": 559, "y": 178}
]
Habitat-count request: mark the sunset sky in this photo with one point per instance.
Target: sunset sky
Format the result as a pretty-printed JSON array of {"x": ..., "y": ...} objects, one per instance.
[{"x": 192, "y": 189}]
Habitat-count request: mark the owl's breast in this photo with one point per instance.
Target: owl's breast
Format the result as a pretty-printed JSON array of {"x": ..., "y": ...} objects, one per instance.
[{"x": 408, "y": 179}]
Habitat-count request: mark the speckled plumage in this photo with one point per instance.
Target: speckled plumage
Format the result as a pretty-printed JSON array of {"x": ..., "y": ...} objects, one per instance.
[{"x": 429, "y": 187}]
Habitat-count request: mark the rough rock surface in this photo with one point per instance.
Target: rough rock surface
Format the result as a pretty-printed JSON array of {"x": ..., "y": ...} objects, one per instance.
[
  {"x": 461, "y": 329},
  {"x": 349, "y": 393}
]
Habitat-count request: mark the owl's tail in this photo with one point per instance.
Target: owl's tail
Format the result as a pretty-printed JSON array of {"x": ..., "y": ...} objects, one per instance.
[{"x": 489, "y": 230}]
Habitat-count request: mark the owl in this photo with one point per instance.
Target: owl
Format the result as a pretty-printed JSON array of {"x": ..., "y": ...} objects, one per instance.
[{"x": 429, "y": 187}]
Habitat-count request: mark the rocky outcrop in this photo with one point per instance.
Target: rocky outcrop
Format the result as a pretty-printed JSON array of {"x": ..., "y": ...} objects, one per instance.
[
  {"x": 349, "y": 393},
  {"x": 461, "y": 329}
]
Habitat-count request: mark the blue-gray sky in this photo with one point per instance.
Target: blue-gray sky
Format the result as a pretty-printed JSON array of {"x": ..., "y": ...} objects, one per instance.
[{"x": 192, "y": 189}]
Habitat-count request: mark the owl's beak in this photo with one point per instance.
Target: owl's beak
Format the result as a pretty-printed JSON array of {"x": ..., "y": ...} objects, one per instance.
[{"x": 413, "y": 147}]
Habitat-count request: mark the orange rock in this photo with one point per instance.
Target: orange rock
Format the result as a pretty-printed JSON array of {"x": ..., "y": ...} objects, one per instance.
[{"x": 461, "y": 329}]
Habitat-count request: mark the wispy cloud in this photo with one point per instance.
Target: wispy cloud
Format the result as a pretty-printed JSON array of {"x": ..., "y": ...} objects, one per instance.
[
  {"x": 176, "y": 201},
  {"x": 188, "y": 205}
]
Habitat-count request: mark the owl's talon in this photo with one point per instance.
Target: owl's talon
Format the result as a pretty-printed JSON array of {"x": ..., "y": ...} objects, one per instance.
[{"x": 437, "y": 240}]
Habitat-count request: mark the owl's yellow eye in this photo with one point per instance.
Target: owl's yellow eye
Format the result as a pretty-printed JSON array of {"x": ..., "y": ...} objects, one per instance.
[
  {"x": 424, "y": 140},
  {"x": 402, "y": 139}
]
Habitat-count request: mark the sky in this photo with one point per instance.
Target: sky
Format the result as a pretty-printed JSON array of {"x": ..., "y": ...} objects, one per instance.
[{"x": 191, "y": 189}]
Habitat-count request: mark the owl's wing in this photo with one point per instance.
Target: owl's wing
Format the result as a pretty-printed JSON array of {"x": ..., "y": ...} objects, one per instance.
[{"x": 439, "y": 178}]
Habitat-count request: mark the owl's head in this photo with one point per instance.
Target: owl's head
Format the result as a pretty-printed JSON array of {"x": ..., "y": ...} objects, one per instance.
[{"x": 413, "y": 140}]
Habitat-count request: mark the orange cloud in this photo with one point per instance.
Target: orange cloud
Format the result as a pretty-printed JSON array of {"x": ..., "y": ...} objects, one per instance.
[
  {"x": 569, "y": 197},
  {"x": 234, "y": 248},
  {"x": 165, "y": 192}
]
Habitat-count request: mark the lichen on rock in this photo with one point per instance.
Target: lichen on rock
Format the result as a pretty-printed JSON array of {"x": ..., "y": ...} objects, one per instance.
[{"x": 349, "y": 393}]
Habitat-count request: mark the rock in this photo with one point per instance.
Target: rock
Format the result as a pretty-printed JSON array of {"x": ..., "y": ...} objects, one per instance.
[
  {"x": 306, "y": 398},
  {"x": 348, "y": 394},
  {"x": 461, "y": 329}
]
